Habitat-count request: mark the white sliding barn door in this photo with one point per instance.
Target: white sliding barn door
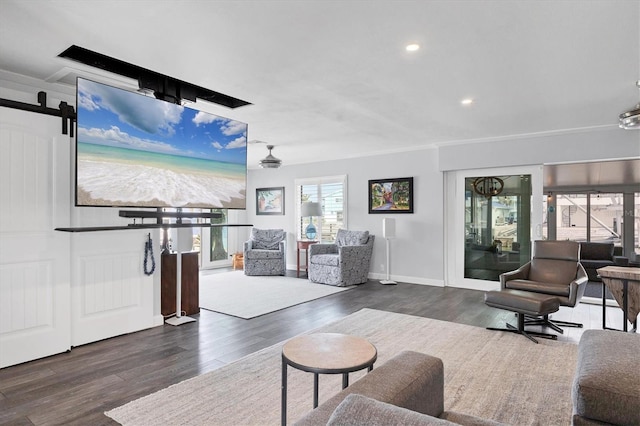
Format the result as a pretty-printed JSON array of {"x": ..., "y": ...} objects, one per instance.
[
  {"x": 35, "y": 174},
  {"x": 110, "y": 293}
]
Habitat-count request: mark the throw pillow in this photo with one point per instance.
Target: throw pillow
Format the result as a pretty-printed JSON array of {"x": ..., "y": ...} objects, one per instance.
[
  {"x": 266, "y": 239},
  {"x": 351, "y": 238},
  {"x": 357, "y": 410}
]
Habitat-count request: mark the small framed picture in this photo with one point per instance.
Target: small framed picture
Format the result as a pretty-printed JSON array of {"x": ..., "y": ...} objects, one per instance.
[
  {"x": 270, "y": 201},
  {"x": 391, "y": 195}
]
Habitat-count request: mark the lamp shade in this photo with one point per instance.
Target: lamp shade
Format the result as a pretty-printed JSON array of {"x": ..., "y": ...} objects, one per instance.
[
  {"x": 185, "y": 238},
  {"x": 388, "y": 227},
  {"x": 310, "y": 209}
]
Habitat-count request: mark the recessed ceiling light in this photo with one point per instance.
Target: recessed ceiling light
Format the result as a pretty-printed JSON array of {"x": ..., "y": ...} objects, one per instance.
[
  {"x": 467, "y": 101},
  {"x": 412, "y": 47}
]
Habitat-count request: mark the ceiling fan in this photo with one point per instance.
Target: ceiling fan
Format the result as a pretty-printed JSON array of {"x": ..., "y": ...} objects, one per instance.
[{"x": 630, "y": 120}]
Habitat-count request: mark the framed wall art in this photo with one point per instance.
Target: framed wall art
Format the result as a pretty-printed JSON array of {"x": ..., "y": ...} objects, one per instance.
[
  {"x": 391, "y": 195},
  {"x": 270, "y": 201}
]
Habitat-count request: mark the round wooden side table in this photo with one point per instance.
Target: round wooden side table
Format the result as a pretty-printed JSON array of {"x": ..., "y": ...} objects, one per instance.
[{"x": 325, "y": 353}]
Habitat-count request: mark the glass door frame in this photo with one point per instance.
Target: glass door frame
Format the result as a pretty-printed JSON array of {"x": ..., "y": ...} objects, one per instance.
[
  {"x": 232, "y": 244},
  {"x": 454, "y": 220}
]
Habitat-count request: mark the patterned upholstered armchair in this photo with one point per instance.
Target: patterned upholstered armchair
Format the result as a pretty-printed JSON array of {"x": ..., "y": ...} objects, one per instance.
[
  {"x": 344, "y": 263},
  {"x": 265, "y": 253}
]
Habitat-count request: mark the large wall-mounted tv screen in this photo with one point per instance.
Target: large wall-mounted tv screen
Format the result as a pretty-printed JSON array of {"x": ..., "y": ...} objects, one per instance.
[{"x": 137, "y": 151}]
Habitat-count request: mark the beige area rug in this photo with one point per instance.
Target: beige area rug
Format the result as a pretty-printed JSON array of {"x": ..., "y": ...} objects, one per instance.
[
  {"x": 492, "y": 374},
  {"x": 234, "y": 293}
]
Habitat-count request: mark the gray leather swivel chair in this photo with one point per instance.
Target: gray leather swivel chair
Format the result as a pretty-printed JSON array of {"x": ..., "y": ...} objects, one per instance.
[{"x": 555, "y": 270}]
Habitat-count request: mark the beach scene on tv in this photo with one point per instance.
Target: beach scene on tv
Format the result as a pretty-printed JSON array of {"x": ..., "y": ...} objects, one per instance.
[{"x": 137, "y": 151}]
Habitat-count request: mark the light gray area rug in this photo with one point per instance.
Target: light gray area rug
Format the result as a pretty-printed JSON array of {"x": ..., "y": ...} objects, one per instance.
[
  {"x": 492, "y": 374},
  {"x": 234, "y": 293}
]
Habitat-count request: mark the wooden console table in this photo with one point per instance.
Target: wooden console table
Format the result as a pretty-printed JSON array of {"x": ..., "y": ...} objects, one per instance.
[
  {"x": 624, "y": 284},
  {"x": 190, "y": 299}
]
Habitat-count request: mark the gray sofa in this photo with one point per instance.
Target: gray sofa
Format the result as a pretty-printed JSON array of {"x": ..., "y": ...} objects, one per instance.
[
  {"x": 408, "y": 389},
  {"x": 598, "y": 255},
  {"x": 606, "y": 385}
]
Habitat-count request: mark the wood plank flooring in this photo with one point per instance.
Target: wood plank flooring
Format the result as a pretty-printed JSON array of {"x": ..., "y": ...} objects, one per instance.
[{"x": 76, "y": 388}]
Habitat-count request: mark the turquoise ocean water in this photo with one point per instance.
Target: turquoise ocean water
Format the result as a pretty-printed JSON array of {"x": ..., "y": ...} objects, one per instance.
[{"x": 103, "y": 153}]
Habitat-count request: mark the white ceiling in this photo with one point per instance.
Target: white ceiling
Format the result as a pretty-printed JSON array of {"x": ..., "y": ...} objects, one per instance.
[{"x": 331, "y": 79}]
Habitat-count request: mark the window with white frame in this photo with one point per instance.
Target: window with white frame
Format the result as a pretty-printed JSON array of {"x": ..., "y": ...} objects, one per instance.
[{"x": 331, "y": 193}]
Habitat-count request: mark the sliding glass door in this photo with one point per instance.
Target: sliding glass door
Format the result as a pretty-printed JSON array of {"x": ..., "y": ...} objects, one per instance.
[
  {"x": 497, "y": 225},
  {"x": 218, "y": 244},
  {"x": 598, "y": 217},
  {"x": 492, "y": 216}
]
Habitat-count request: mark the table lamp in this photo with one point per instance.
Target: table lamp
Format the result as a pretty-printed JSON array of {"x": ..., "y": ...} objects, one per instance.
[{"x": 310, "y": 210}]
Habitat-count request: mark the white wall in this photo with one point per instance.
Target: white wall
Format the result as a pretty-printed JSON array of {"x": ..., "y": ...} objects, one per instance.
[
  {"x": 416, "y": 252},
  {"x": 602, "y": 143}
]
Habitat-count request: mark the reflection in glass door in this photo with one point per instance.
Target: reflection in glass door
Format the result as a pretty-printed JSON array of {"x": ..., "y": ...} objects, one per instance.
[
  {"x": 218, "y": 249},
  {"x": 595, "y": 217},
  {"x": 497, "y": 225},
  {"x": 218, "y": 244}
]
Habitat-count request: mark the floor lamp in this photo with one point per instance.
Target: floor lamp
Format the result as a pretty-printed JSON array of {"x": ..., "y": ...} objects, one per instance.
[
  {"x": 184, "y": 242},
  {"x": 388, "y": 232}
]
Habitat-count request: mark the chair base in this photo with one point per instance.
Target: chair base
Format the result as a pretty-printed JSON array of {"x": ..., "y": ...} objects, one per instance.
[
  {"x": 520, "y": 330},
  {"x": 545, "y": 321}
]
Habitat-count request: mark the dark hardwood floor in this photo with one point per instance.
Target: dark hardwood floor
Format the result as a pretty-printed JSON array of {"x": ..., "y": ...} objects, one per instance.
[{"x": 76, "y": 388}]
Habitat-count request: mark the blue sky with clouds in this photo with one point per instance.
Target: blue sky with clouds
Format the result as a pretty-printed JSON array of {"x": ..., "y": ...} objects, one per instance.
[{"x": 115, "y": 117}]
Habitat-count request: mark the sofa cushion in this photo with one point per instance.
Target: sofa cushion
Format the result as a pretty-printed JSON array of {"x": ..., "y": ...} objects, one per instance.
[
  {"x": 605, "y": 385},
  {"x": 356, "y": 410},
  {"x": 263, "y": 254},
  {"x": 326, "y": 259},
  {"x": 410, "y": 380},
  {"x": 467, "y": 419},
  {"x": 351, "y": 238},
  {"x": 596, "y": 264},
  {"x": 596, "y": 251},
  {"x": 266, "y": 239}
]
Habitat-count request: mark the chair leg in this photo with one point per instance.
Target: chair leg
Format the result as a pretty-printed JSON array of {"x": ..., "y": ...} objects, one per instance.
[
  {"x": 520, "y": 330},
  {"x": 543, "y": 321},
  {"x": 567, "y": 323},
  {"x": 546, "y": 321}
]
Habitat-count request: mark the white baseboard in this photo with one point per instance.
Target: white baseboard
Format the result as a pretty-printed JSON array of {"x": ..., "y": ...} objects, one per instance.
[
  {"x": 158, "y": 320},
  {"x": 407, "y": 279}
]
